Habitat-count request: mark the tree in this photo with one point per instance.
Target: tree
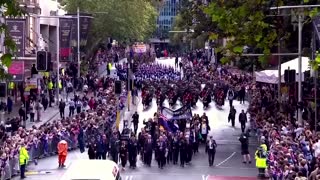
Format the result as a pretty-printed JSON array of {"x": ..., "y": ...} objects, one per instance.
[
  {"x": 191, "y": 16},
  {"x": 124, "y": 20},
  {"x": 247, "y": 23},
  {"x": 10, "y": 8}
]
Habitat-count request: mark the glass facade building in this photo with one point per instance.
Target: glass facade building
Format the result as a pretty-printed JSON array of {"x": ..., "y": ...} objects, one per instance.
[{"x": 167, "y": 13}]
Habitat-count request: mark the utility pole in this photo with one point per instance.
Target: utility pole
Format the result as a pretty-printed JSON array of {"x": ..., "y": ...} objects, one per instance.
[
  {"x": 78, "y": 27},
  {"x": 300, "y": 66}
]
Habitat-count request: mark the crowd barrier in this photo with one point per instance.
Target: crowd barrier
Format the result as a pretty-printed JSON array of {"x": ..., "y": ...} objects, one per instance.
[{"x": 47, "y": 146}]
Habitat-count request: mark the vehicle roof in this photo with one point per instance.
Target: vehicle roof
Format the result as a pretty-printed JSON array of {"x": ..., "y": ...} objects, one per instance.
[{"x": 91, "y": 169}]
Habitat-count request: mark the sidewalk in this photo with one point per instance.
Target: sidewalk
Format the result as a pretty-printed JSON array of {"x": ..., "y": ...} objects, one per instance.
[{"x": 51, "y": 113}]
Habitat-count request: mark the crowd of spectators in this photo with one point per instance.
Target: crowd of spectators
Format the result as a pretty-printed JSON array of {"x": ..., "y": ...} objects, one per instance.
[
  {"x": 293, "y": 146},
  {"x": 77, "y": 130}
]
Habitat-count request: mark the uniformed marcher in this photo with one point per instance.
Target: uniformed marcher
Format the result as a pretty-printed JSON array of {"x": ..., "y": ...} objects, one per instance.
[
  {"x": 211, "y": 150},
  {"x": 175, "y": 149},
  {"x": 182, "y": 150},
  {"x": 189, "y": 151},
  {"x": 133, "y": 151},
  {"x": 169, "y": 147},
  {"x": 141, "y": 142},
  {"x": 114, "y": 148},
  {"x": 148, "y": 151},
  {"x": 123, "y": 154},
  {"x": 162, "y": 152},
  {"x": 135, "y": 121}
]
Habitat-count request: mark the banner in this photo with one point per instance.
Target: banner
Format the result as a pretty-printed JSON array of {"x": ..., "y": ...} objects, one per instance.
[
  {"x": 65, "y": 38},
  {"x": 85, "y": 23},
  {"x": 181, "y": 113},
  {"x": 17, "y": 30},
  {"x": 140, "y": 48},
  {"x": 16, "y": 69}
]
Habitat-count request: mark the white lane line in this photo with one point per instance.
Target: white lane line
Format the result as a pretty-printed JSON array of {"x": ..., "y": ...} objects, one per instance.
[
  {"x": 127, "y": 177},
  {"x": 226, "y": 159},
  {"x": 130, "y": 178}
]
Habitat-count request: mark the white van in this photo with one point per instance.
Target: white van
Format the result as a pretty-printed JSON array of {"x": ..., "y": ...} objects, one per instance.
[{"x": 86, "y": 169}]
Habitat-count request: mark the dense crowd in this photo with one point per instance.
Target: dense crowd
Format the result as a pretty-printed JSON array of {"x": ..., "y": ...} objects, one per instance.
[
  {"x": 90, "y": 114},
  {"x": 293, "y": 147}
]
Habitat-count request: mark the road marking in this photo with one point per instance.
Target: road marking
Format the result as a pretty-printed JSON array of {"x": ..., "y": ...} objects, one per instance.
[
  {"x": 245, "y": 168},
  {"x": 127, "y": 177},
  {"x": 226, "y": 159},
  {"x": 204, "y": 177},
  {"x": 130, "y": 178}
]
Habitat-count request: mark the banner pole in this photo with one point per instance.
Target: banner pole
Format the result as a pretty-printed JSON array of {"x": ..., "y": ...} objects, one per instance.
[
  {"x": 78, "y": 34},
  {"x": 58, "y": 59}
]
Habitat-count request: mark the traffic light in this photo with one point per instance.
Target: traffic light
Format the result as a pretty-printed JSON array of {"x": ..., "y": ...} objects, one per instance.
[
  {"x": 42, "y": 63},
  {"x": 49, "y": 63}
]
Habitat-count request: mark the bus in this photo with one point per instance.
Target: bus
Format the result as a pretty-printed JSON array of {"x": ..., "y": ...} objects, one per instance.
[{"x": 86, "y": 169}]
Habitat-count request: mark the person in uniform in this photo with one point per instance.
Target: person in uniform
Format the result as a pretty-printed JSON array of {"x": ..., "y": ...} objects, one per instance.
[
  {"x": 23, "y": 159},
  {"x": 232, "y": 115},
  {"x": 211, "y": 150},
  {"x": 169, "y": 148},
  {"x": 114, "y": 147},
  {"x": 175, "y": 149},
  {"x": 141, "y": 142},
  {"x": 148, "y": 151},
  {"x": 123, "y": 154},
  {"x": 135, "y": 121},
  {"x": 62, "y": 152},
  {"x": 182, "y": 150},
  {"x": 261, "y": 160},
  {"x": 92, "y": 150},
  {"x": 245, "y": 148},
  {"x": 133, "y": 151},
  {"x": 189, "y": 150},
  {"x": 162, "y": 151}
]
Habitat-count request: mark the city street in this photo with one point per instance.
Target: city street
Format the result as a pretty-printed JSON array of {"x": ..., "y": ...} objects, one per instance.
[{"x": 228, "y": 160}]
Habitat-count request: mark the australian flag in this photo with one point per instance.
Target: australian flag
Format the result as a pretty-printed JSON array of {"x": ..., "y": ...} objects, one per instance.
[{"x": 167, "y": 124}]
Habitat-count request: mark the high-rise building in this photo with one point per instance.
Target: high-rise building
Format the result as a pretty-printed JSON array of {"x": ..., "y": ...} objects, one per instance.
[{"x": 167, "y": 12}]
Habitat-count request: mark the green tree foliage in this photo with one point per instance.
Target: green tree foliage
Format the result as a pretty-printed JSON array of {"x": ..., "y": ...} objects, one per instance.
[
  {"x": 248, "y": 23},
  {"x": 123, "y": 20},
  {"x": 191, "y": 16}
]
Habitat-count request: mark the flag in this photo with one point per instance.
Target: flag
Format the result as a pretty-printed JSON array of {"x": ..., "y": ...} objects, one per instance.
[{"x": 163, "y": 121}]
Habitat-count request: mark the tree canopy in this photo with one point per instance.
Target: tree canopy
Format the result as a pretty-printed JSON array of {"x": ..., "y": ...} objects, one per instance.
[
  {"x": 125, "y": 20},
  {"x": 253, "y": 24},
  {"x": 192, "y": 17}
]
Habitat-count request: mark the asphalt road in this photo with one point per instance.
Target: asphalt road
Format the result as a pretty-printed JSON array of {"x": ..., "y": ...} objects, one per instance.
[{"x": 228, "y": 160}]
